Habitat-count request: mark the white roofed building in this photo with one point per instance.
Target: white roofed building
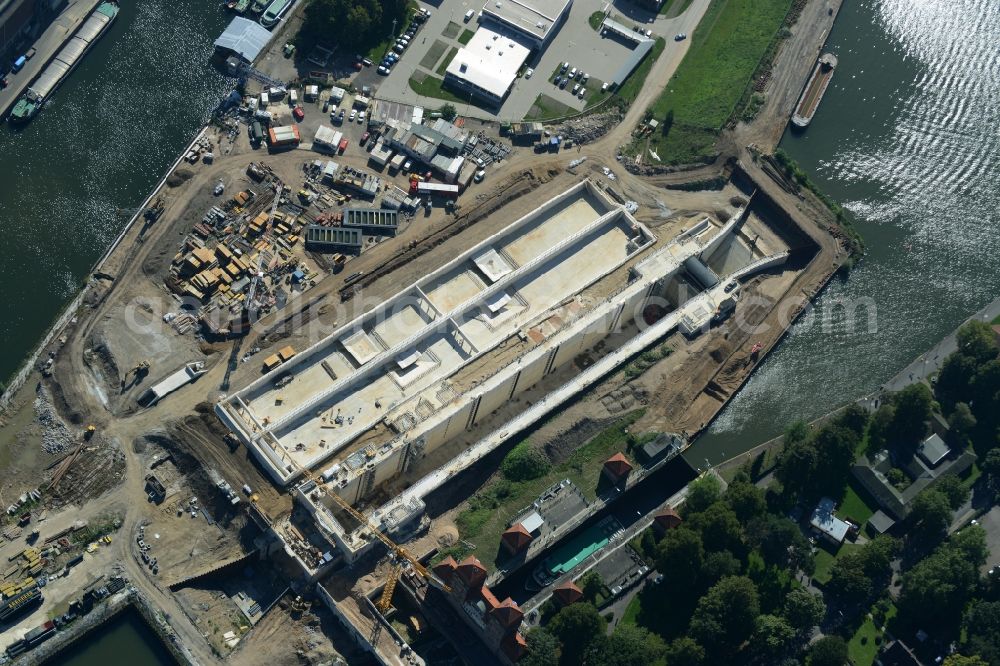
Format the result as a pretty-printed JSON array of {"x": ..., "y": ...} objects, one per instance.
[
  {"x": 487, "y": 66},
  {"x": 536, "y": 20}
]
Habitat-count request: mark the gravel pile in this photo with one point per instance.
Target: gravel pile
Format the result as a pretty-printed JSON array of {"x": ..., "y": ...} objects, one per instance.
[{"x": 56, "y": 437}]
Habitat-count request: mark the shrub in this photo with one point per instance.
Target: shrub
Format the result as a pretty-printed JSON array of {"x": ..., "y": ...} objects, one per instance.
[{"x": 524, "y": 463}]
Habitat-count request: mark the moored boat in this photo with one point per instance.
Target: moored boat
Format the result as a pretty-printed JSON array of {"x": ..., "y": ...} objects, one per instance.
[
  {"x": 274, "y": 12},
  {"x": 813, "y": 93},
  {"x": 65, "y": 61},
  {"x": 258, "y": 6}
]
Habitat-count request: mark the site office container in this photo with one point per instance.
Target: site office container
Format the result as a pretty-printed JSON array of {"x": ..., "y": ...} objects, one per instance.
[
  {"x": 287, "y": 135},
  {"x": 256, "y": 132}
]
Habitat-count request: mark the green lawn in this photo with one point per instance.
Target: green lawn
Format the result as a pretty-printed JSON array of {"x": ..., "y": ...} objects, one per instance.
[
  {"x": 466, "y": 36},
  {"x": 725, "y": 50},
  {"x": 546, "y": 107},
  {"x": 377, "y": 52},
  {"x": 862, "y": 647},
  {"x": 443, "y": 67},
  {"x": 825, "y": 559},
  {"x": 432, "y": 86},
  {"x": 595, "y": 20},
  {"x": 482, "y": 523},
  {"x": 669, "y": 5},
  {"x": 854, "y": 507}
]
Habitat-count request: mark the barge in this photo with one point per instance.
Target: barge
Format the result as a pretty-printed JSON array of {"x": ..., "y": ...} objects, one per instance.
[
  {"x": 64, "y": 63},
  {"x": 813, "y": 94}
]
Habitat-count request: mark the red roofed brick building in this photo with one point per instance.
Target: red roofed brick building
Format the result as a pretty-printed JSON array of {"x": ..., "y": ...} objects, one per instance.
[
  {"x": 516, "y": 539},
  {"x": 567, "y": 593},
  {"x": 616, "y": 468},
  {"x": 496, "y": 622},
  {"x": 665, "y": 520}
]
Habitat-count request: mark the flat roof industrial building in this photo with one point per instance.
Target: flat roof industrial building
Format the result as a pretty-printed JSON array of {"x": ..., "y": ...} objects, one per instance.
[
  {"x": 488, "y": 65},
  {"x": 537, "y": 20}
]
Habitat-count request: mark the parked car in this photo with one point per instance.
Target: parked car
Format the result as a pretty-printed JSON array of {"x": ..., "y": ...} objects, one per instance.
[
  {"x": 383, "y": 70},
  {"x": 340, "y": 116},
  {"x": 361, "y": 118},
  {"x": 528, "y": 73},
  {"x": 576, "y": 88},
  {"x": 358, "y": 66},
  {"x": 564, "y": 67},
  {"x": 604, "y": 87},
  {"x": 364, "y": 138},
  {"x": 584, "y": 77},
  {"x": 583, "y": 91},
  {"x": 649, "y": 33},
  {"x": 572, "y": 73},
  {"x": 367, "y": 62},
  {"x": 354, "y": 114},
  {"x": 680, "y": 37},
  {"x": 480, "y": 175},
  {"x": 298, "y": 113},
  {"x": 563, "y": 81}
]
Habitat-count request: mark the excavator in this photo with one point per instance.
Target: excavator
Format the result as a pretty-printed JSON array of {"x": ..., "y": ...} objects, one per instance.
[{"x": 138, "y": 371}]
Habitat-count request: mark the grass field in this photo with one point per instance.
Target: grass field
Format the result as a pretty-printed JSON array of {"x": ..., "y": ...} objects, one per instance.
[
  {"x": 633, "y": 84},
  {"x": 862, "y": 647},
  {"x": 546, "y": 107},
  {"x": 854, "y": 507},
  {"x": 466, "y": 36},
  {"x": 432, "y": 86},
  {"x": 443, "y": 67},
  {"x": 825, "y": 559},
  {"x": 704, "y": 91},
  {"x": 497, "y": 503}
]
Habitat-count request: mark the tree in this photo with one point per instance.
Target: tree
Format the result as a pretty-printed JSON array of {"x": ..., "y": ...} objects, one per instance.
[
  {"x": 781, "y": 543},
  {"x": 954, "y": 381},
  {"x": 962, "y": 660},
  {"x": 961, "y": 423},
  {"x": 936, "y": 588},
  {"x": 971, "y": 541},
  {"x": 828, "y": 651},
  {"x": 717, "y": 566},
  {"x": 449, "y": 112},
  {"x": 879, "y": 428},
  {"x": 796, "y": 468},
  {"x": 702, "y": 493},
  {"x": 591, "y": 584},
  {"x": 725, "y": 616},
  {"x": 543, "y": 649},
  {"x": 681, "y": 553},
  {"x": 746, "y": 500},
  {"x": 991, "y": 468},
  {"x": 803, "y": 609},
  {"x": 772, "y": 636},
  {"x": 976, "y": 340},
  {"x": 913, "y": 409},
  {"x": 982, "y": 630},
  {"x": 524, "y": 463},
  {"x": 350, "y": 23},
  {"x": 685, "y": 651},
  {"x": 930, "y": 514},
  {"x": 835, "y": 447},
  {"x": 576, "y": 626},
  {"x": 854, "y": 418},
  {"x": 857, "y": 573},
  {"x": 629, "y": 645},
  {"x": 719, "y": 527},
  {"x": 952, "y": 487}
]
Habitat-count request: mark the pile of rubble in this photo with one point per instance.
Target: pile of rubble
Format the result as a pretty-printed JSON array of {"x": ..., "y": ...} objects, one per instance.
[
  {"x": 56, "y": 437},
  {"x": 588, "y": 128}
]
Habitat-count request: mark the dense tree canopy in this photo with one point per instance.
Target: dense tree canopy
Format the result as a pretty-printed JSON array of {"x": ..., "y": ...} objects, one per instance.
[
  {"x": 828, "y": 651},
  {"x": 930, "y": 515},
  {"x": 354, "y": 24},
  {"x": 909, "y": 423},
  {"x": 702, "y": 493},
  {"x": 543, "y": 649},
  {"x": 772, "y": 636},
  {"x": 681, "y": 553},
  {"x": 726, "y": 616},
  {"x": 858, "y": 573},
  {"x": 719, "y": 527},
  {"x": 577, "y": 626},
  {"x": 685, "y": 651},
  {"x": 803, "y": 609},
  {"x": 982, "y": 630},
  {"x": 936, "y": 589},
  {"x": 627, "y": 646}
]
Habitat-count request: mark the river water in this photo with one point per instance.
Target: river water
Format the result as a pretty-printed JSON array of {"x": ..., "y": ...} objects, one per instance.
[
  {"x": 126, "y": 639},
  {"x": 102, "y": 143},
  {"x": 907, "y": 139}
]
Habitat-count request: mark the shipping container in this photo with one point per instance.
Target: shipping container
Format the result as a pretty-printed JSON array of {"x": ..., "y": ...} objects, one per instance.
[{"x": 287, "y": 135}]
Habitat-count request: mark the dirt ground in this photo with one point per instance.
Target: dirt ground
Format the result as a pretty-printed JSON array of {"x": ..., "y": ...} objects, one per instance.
[{"x": 92, "y": 353}]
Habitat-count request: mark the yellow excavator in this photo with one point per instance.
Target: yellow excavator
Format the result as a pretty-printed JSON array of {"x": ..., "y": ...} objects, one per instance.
[{"x": 138, "y": 371}]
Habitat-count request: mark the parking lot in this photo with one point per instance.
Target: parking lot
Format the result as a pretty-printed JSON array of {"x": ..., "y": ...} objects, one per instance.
[
  {"x": 575, "y": 42},
  {"x": 990, "y": 522}
]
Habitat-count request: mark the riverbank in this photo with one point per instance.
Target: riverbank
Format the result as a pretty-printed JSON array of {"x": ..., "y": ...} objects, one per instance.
[{"x": 129, "y": 600}]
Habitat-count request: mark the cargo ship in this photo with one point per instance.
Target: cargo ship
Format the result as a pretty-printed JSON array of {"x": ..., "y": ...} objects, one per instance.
[
  {"x": 274, "y": 13},
  {"x": 813, "y": 93},
  {"x": 65, "y": 61}
]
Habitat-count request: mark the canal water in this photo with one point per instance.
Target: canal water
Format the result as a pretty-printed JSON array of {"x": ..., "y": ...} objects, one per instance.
[
  {"x": 126, "y": 639},
  {"x": 68, "y": 178},
  {"x": 907, "y": 140}
]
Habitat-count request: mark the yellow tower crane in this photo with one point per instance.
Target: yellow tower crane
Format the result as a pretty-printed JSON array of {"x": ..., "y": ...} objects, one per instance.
[{"x": 399, "y": 554}]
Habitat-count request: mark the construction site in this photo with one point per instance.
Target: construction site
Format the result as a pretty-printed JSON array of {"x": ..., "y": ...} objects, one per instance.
[{"x": 290, "y": 376}]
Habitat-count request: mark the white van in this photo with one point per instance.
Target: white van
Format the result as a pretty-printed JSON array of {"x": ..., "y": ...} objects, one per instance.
[{"x": 469, "y": 14}]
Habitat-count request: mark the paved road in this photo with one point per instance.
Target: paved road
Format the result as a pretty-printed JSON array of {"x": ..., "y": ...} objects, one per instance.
[{"x": 46, "y": 46}]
